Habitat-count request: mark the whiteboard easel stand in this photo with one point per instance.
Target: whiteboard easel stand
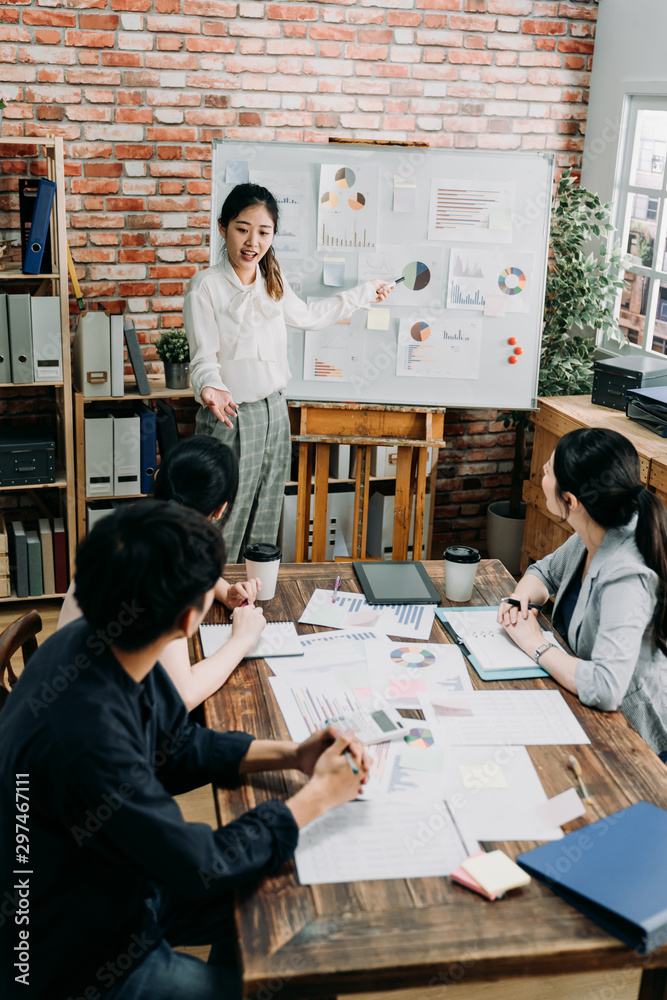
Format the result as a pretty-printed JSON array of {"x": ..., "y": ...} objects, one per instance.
[{"x": 413, "y": 431}]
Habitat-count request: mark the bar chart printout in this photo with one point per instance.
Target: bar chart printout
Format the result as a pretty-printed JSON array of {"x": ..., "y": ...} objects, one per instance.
[
  {"x": 450, "y": 349},
  {"x": 347, "y": 209},
  {"x": 335, "y": 354},
  {"x": 475, "y": 211},
  {"x": 411, "y": 621}
]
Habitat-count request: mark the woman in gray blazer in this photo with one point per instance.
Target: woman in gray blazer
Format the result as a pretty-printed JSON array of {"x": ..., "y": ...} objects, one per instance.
[{"x": 609, "y": 581}]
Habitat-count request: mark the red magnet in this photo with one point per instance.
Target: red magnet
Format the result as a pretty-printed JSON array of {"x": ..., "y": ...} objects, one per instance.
[
  {"x": 518, "y": 350},
  {"x": 512, "y": 360},
  {"x": 512, "y": 341}
]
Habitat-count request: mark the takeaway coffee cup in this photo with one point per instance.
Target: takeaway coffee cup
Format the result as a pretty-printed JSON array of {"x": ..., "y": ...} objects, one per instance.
[
  {"x": 460, "y": 568},
  {"x": 262, "y": 559}
]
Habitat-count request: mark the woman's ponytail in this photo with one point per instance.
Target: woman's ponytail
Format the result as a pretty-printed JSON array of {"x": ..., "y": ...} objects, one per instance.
[
  {"x": 273, "y": 280},
  {"x": 651, "y": 539}
]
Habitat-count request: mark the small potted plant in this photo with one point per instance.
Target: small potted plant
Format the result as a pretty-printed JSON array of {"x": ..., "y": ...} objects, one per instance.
[{"x": 173, "y": 351}]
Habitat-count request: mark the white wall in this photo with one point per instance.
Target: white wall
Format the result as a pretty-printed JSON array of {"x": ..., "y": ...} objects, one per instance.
[{"x": 630, "y": 57}]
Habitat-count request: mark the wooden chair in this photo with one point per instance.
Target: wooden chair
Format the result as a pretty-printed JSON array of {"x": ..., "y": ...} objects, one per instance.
[{"x": 19, "y": 635}]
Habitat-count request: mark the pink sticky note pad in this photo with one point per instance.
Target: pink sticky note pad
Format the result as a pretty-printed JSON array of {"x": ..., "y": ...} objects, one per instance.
[{"x": 461, "y": 875}]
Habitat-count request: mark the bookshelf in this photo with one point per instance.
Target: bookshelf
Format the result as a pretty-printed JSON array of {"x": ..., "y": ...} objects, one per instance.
[{"x": 54, "y": 499}]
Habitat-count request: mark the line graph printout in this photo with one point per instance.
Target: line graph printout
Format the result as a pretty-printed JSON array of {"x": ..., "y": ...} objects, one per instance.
[
  {"x": 475, "y": 274},
  {"x": 363, "y": 841},
  {"x": 306, "y": 707},
  {"x": 347, "y": 207},
  {"x": 502, "y": 718},
  {"x": 352, "y": 611},
  {"x": 448, "y": 348},
  {"x": 488, "y": 641},
  {"x": 473, "y": 211}
]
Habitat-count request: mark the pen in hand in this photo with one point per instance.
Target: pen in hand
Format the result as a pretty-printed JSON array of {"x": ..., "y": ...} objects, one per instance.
[
  {"x": 350, "y": 759},
  {"x": 575, "y": 766},
  {"x": 335, "y": 589}
]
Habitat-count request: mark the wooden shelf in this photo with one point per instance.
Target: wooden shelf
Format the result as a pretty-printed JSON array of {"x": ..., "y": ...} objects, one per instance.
[
  {"x": 29, "y": 385},
  {"x": 30, "y": 597},
  {"x": 119, "y": 496},
  {"x": 60, "y": 483},
  {"x": 157, "y": 387},
  {"x": 11, "y": 273}
]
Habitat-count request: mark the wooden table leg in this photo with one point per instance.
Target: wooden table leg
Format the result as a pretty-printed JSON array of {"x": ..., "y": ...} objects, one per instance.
[
  {"x": 303, "y": 503},
  {"x": 320, "y": 522},
  {"x": 402, "y": 508}
]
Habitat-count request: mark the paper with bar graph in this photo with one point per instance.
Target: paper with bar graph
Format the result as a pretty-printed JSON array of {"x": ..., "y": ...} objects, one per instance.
[
  {"x": 307, "y": 705},
  {"x": 291, "y": 193},
  {"x": 439, "y": 348},
  {"x": 335, "y": 354},
  {"x": 474, "y": 211},
  {"x": 347, "y": 207},
  {"x": 410, "y": 621},
  {"x": 475, "y": 274}
]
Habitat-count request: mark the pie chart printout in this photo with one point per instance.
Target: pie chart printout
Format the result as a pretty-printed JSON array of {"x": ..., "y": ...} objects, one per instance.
[
  {"x": 417, "y": 275},
  {"x": 512, "y": 281},
  {"x": 356, "y": 201},
  {"x": 419, "y": 738},
  {"x": 329, "y": 199},
  {"x": 420, "y": 331},
  {"x": 413, "y": 656},
  {"x": 345, "y": 177}
]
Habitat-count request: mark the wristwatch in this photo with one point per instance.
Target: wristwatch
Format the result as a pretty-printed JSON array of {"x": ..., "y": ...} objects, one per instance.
[{"x": 542, "y": 649}]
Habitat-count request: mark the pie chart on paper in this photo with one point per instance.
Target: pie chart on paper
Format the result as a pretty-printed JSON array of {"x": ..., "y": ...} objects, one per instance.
[
  {"x": 345, "y": 177},
  {"x": 356, "y": 201},
  {"x": 329, "y": 199},
  {"x": 420, "y": 331},
  {"x": 417, "y": 275},
  {"x": 419, "y": 738}
]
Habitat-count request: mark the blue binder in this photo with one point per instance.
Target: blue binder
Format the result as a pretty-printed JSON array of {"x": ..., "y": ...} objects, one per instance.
[
  {"x": 148, "y": 434},
  {"x": 520, "y": 673},
  {"x": 39, "y": 228},
  {"x": 614, "y": 871}
]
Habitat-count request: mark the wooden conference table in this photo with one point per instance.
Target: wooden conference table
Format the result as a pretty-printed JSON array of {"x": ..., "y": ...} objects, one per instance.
[{"x": 425, "y": 935}]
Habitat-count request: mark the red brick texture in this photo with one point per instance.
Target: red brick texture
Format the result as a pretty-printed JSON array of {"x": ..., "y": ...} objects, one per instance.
[{"x": 138, "y": 88}]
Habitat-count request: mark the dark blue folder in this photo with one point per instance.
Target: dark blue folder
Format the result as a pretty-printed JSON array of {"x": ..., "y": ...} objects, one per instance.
[
  {"x": 39, "y": 228},
  {"x": 148, "y": 432},
  {"x": 614, "y": 871}
]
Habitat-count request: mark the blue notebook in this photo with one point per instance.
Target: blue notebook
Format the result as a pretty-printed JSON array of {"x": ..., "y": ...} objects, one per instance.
[
  {"x": 614, "y": 871},
  {"x": 510, "y": 674}
]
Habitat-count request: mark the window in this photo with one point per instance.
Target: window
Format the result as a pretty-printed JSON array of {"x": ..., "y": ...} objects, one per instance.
[{"x": 641, "y": 213}]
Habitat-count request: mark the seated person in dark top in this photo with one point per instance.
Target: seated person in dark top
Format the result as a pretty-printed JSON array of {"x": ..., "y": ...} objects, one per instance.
[{"x": 101, "y": 740}]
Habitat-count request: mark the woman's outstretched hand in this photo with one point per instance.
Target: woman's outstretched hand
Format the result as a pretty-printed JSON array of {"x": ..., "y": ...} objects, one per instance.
[{"x": 220, "y": 403}]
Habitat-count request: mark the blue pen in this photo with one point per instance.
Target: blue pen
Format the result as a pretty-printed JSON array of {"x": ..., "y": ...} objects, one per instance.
[{"x": 335, "y": 590}]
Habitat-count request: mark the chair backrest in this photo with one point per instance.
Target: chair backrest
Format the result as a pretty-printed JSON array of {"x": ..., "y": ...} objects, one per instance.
[{"x": 19, "y": 635}]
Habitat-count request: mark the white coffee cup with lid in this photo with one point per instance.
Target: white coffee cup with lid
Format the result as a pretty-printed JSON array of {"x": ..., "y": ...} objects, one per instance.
[
  {"x": 460, "y": 569},
  {"x": 262, "y": 560}
]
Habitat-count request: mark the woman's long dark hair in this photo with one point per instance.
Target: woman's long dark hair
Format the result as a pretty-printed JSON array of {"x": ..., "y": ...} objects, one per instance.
[
  {"x": 200, "y": 472},
  {"x": 601, "y": 469},
  {"x": 245, "y": 196}
]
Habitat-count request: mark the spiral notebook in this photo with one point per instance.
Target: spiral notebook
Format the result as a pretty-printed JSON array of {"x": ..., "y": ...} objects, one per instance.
[{"x": 277, "y": 639}]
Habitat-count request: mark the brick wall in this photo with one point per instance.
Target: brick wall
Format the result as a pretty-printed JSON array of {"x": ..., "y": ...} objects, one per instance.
[{"x": 138, "y": 88}]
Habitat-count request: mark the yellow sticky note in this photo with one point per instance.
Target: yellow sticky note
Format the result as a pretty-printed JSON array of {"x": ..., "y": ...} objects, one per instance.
[
  {"x": 495, "y": 872},
  {"x": 378, "y": 319}
]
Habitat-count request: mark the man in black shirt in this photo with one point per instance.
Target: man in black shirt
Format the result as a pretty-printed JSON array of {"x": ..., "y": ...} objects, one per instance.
[{"x": 100, "y": 873}]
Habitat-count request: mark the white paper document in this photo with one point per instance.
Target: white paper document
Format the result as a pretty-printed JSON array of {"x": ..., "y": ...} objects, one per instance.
[
  {"x": 278, "y": 639},
  {"x": 477, "y": 275},
  {"x": 334, "y": 355},
  {"x": 488, "y": 641},
  {"x": 474, "y": 211},
  {"x": 401, "y": 672},
  {"x": 347, "y": 209},
  {"x": 440, "y": 348},
  {"x": 352, "y": 611},
  {"x": 420, "y": 267},
  {"x": 526, "y": 718},
  {"x": 341, "y": 653},
  {"x": 364, "y": 841},
  {"x": 307, "y": 705},
  {"x": 409, "y": 769},
  {"x": 291, "y": 193}
]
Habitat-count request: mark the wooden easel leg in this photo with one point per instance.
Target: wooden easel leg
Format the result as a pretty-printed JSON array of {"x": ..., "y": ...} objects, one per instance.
[
  {"x": 653, "y": 985},
  {"x": 402, "y": 509},
  {"x": 320, "y": 503},
  {"x": 420, "y": 498},
  {"x": 361, "y": 488},
  {"x": 303, "y": 502}
]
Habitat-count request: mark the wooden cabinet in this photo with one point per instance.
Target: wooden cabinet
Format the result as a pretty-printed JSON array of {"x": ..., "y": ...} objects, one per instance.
[
  {"x": 52, "y": 499},
  {"x": 544, "y": 532}
]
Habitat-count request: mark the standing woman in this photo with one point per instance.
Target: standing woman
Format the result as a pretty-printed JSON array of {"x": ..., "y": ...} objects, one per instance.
[
  {"x": 234, "y": 315},
  {"x": 610, "y": 582}
]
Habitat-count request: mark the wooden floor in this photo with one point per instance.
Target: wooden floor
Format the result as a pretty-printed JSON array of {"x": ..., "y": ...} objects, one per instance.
[{"x": 196, "y": 806}]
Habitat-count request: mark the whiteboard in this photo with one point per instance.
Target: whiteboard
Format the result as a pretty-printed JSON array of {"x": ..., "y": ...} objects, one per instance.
[{"x": 469, "y": 231}]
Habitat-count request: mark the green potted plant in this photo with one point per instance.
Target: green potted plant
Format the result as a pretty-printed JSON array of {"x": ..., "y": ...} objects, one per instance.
[
  {"x": 173, "y": 351},
  {"x": 580, "y": 301}
]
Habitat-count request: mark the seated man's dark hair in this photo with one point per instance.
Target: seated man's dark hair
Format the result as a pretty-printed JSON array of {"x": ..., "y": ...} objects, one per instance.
[{"x": 142, "y": 566}]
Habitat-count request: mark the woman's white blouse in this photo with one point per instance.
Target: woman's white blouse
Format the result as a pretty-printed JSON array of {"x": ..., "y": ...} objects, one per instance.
[{"x": 237, "y": 334}]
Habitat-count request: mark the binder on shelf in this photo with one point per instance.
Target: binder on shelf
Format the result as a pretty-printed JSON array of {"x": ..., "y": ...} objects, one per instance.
[
  {"x": 60, "y": 555},
  {"x": 117, "y": 351},
  {"x": 127, "y": 455},
  {"x": 98, "y": 449},
  {"x": 136, "y": 358},
  {"x": 18, "y": 557},
  {"x": 27, "y": 196},
  {"x": 98, "y": 509},
  {"x": 92, "y": 354},
  {"x": 47, "y": 341},
  {"x": 148, "y": 434},
  {"x": 20, "y": 338},
  {"x": 167, "y": 427},
  {"x": 39, "y": 226},
  {"x": 48, "y": 572},
  {"x": 5, "y": 362},
  {"x": 35, "y": 581}
]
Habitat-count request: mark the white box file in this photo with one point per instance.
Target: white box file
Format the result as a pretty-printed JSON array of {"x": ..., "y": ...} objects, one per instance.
[
  {"x": 92, "y": 355},
  {"x": 127, "y": 455},
  {"x": 98, "y": 447}
]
